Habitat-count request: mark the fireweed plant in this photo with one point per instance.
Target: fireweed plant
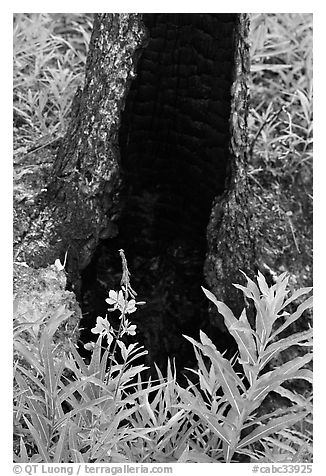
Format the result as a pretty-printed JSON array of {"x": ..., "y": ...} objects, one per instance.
[
  {"x": 123, "y": 301},
  {"x": 68, "y": 411}
]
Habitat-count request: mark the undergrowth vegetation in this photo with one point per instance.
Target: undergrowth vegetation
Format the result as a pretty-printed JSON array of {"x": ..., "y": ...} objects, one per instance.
[
  {"x": 281, "y": 139},
  {"x": 49, "y": 64},
  {"x": 106, "y": 412}
]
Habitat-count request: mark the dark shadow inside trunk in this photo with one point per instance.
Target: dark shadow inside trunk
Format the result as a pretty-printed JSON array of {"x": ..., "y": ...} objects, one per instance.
[{"x": 174, "y": 142}]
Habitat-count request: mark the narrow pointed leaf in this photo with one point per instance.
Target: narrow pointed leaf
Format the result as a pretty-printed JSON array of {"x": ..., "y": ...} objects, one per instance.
[
  {"x": 252, "y": 288},
  {"x": 262, "y": 284},
  {"x": 240, "y": 330},
  {"x": 95, "y": 363},
  {"x": 295, "y": 295},
  {"x": 227, "y": 377},
  {"x": 23, "y": 457},
  {"x": 222, "y": 308},
  {"x": 246, "y": 344},
  {"x": 59, "y": 455},
  {"x": 271, "y": 380},
  {"x": 81, "y": 375},
  {"x": 304, "y": 306},
  {"x": 37, "y": 381},
  {"x": 295, "y": 398},
  {"x": 49, "y": 372},
  {"x": 73, "y": 445},
  {"x": 22, "y": 349},
  {"x": 274, "y": 349},
  {"x": 247, "y": 338},
  {"x": 84, "y": 406},
  {"x": 60, "y": 315},
  {"x": 273, "y": 426},
  {"x": 41, "y": 445},
  {"x": 36, "y": 411},
  {"x": 280, "y": 293},
  {"x": 78, "y": 360},
  {"x": 215, "y": 426},
  {"x": 304, "y": 374}
]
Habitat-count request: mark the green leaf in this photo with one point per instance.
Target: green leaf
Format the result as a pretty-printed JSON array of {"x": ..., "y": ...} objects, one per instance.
[
  {"x": 137, "y": 353},
  {"x": 274, "y": 349},
  {"x": 49, "y": 373},
  {"x": 59, "y": 455},
  {"x": 22, "y": 349},
  {"x": 73, "y": 444},
  {"x": 81, "y": 374},
  {"x": 213, "y": 423},
  {"x": 279, "y": 445},
  {"x": 239, "y": 329},
  {"x": 128, "y": 375},
  {"x": 247, "y": 339},
  {"x": 95, "y": 364},
  {"x": 56, "y": 319},
  {"x": 227, "y": 366},
  {"x": 294, "y": 397},
  {"x": 251, "y": 288},
  {"x": 149, "y": 410},
  {"x": 223, "y": 309},
  {"x": 79, "y": 385},
  {"x": 273, "y": 426},
  {"x": 90, "y": 405},
  {"x": 41, "y": 446},
  {"x": 37, "y": 381},
  {"x": 107, "y": 436},
  {"x": 227, "y": 377},
  {"x": 36, "y": 410},
  {"x": 59, "y": 368},
  {"x": 304, "y": 374},
  {"x": 263, "y": 286},
  {"x": 305, "y": 305},
  {"x": 205, "y": 340},
  {"x": 252, "y": 292},
  {"x": 271, "y": 380},
  {"x": 255, "y": 420},
  {"x": 295, "y": 295},
  {"x": 23, "y": 457},
  {"x": 104, "y": 364},
  {"x": 77, "y": 359}
]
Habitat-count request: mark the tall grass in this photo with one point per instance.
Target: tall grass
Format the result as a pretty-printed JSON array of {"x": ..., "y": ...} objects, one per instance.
[
  {"x": 281, "y": 92},
  {"x": 281, "y": 141},
  {"x": 49, "y": 61}
]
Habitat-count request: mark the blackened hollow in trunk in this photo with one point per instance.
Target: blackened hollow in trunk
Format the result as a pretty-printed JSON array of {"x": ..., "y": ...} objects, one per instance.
[{"x": 174, "y": 142}]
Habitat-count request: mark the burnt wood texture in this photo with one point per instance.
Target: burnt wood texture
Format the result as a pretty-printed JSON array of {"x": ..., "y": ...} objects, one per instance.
[{"x": 154, "y": 161}]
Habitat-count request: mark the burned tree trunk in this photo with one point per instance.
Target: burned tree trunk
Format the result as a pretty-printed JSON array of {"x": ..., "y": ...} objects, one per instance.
[
  {"x": 79, "y": 204},
  {"x": 231, "y": 234},
  {"x": 154, "y": 162}
]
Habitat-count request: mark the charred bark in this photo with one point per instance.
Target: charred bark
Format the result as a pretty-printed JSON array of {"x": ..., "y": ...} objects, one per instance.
[
  {"x": 79, "y": 204},
  {"x": 154, "y": 162},
  {"x": 230, "y": 233}
]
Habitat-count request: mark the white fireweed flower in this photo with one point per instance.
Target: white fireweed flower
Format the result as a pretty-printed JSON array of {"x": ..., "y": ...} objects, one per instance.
[
  {"x": 129, "y": 328},
  {"x": 103, "y": 328},
  {"x": 131, "y": 306},
  {"x": 118, "y": 301}
]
